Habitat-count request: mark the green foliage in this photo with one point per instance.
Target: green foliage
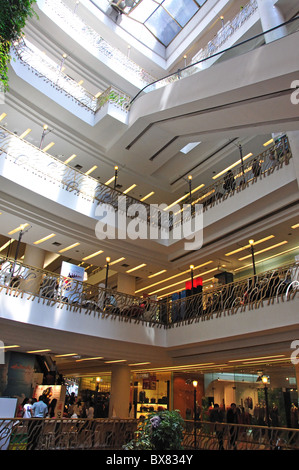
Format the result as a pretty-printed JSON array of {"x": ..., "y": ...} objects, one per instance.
[
  {"x": 162, "y": 430},
  {"x": 13, "y": 16}
]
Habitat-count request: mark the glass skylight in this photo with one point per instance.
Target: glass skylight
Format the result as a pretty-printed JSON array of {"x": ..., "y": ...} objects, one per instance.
[{"x": 163, "y": 18}]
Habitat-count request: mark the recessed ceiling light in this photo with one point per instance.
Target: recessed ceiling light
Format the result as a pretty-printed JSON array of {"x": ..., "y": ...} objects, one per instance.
[
  {"x": 38, "y": 351},
  {"x": 136, "y": 267},
  {"x": 45, "y": 238},
  {"x": 10, "y": 346},
  {"x": 157, "y": 274},
  {"x": 18, "y": 229},
  {"x": 232, "y": 166},
  {"x": 47, "y": 147},
  {"x": 92, "y": 255},
  {"x": 68, "y": 160},
  {"x": 25, "y": 133},
  {"x": 130, "y": 188},
  {"x": 265, "y": 249},
  {"x": 89, "y": 359},
  {"x": 147, "y": 196},
  {"x": 69, "y": 247},
  {"x": 91, "y": 170}
]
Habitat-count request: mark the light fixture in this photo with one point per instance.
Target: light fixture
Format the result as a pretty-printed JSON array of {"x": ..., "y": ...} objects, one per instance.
[
  {"x": 147, "y": 196},
  {"x": 117, "y": 261},
  {"x": 184, "y": 197},
  {"x": 7, "y": 244},
  {"x": 136, "y": 267},
  {"x": 265, "y": 249},
  {"x": 92, "y": 255},
  {"x": 110, "y": 180},
  {"x": 69, "y": 247},
  {"x": 115, "y": 176},
  {"x": 66, "y": 355},
  {"x": 117, "y": 360},
  {"x": 174, "y": 276},
  {"x": 18, "y": 229},
  {"x": 25, "y": 133},
  {"x": 89, "y": 359},
  {"x": 38, "y": 351},
  {"x": 2, "y": 116},
  {"x": 68, "y": 160},
  {"x": 295, "y": 226},
  {"x": 47, "y": 147},
  {"x": 130, "y": 188},
  {"x": 44, "y": 239},
  {"x": 11, "y": 346},
  {"x": 107, "y": 270},
  {"x": 194, "y": 383},
  {"x": 91, "y": 170},
  {"x": 248, "y": 246},
  {"x": 232, "y": 166},
  {"x": 268, "y": 142},
  {"x": 179, "y": 282},
  {"x": 187, "y": 148},
  {"x": 157, "y": 274}
]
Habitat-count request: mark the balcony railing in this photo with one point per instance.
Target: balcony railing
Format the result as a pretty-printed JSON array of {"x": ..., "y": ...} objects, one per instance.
[
  {"x": 238, "y": 49},
  {"x": 47, "y": 70},
  {"x": 226, "y": 31},
  {"x": 245, "y": 173},
  {"x": 28, "y": 157},
  {"x": 29, "y": 283},
  {"x": 113, "y": 434},
  {"x": 115, "y": 59}
]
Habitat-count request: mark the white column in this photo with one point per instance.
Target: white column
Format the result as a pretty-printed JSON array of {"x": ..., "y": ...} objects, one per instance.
[
  {"x": 120, "y": 392},
  {"x": 271, "y": 16},
  {"x": 34, "y": 257},
  {"x": 294, "y": 144},
  {"x": 126, "y": 284}
]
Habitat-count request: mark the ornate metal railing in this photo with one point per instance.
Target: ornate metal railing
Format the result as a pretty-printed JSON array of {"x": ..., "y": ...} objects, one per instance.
[
  {"x": 195, "y": 67},
  {"x": 26, "y": 282},
  {"x": 226, "y": 31},
  {"x": 49, "y": 71},
  {"x": 252, "y": 169},
  {"x": 113, "y": 434},
  {"x": 224, "y": 436},
  {"x": 267, "y": 288},
  {"x": 52, "y": 289},
  {"x": 43, "y": 165},
  {"x": 72, "y": 23},
  {"x": 65, "y": 434}
]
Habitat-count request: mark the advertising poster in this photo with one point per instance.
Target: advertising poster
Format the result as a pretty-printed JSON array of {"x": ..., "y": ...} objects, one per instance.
[{"x": 71, "y": 286}]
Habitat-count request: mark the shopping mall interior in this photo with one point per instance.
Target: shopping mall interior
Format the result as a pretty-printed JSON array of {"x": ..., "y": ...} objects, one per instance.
[{"x": 153, "y": 102}]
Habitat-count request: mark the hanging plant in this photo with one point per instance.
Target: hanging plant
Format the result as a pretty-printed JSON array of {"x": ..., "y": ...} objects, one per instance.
[{"x": 13, "y": 17}]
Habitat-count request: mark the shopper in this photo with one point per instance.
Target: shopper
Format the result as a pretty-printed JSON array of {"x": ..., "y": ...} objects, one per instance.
[
  {"x": 35, "y": 427},
  {"x": 27, "y": 407}
]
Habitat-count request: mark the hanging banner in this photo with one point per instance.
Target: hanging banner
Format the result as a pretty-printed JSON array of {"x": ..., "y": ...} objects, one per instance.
[{"x": 71, "y": 286}]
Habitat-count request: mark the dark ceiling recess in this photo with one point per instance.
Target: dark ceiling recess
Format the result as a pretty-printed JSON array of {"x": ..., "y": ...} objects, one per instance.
[{"x": 163, "y": 148}]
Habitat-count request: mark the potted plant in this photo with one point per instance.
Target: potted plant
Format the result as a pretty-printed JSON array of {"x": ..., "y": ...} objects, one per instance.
[
  {"x": 162, "y": 430},
  {"x": 13, "y": 14}
]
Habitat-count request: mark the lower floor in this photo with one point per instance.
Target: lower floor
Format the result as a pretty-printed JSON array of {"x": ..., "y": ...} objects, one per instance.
[{"x": 264, "y": 390}]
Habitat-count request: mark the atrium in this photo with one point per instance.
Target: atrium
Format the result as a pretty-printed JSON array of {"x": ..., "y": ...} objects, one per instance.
[{"x": 120, "y": 125}]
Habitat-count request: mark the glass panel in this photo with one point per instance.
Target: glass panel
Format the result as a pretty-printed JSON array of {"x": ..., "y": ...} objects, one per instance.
[
  {"x": 143, "y": 10},
  {"x": 162, "y": 26},
  {"x": 181, "y": 10}
]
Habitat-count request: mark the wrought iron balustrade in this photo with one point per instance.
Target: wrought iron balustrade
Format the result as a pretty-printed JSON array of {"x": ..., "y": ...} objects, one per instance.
[
  {"x": 65, "y": 433},
  {"x": 28, "y": 157},
  {"x": 241, "y": 176},
  {"x": 113, "y": 434},
  {"x": 47, "y": 70},
  {"x": 278, "y": 285},
  {"x": 88, "y": 36},
  {"x": 52, "y": 289},
  {"x": 205, "y": 435}
]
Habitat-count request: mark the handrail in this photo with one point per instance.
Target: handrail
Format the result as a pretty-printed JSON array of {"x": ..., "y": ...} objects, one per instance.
[
  {"x": 49, "y": 71},
  {"x": 178, "y": 75},
  {"x": 114, "y": 433},
  {"x": 24, "y": 281},
  {"x": 26, "y": 155}
]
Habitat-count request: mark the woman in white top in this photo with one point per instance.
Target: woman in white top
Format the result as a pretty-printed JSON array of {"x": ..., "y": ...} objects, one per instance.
[{"x": 27, "y": 409}]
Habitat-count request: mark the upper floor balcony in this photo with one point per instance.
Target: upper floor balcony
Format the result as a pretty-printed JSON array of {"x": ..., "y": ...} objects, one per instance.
[
  {"x": 264, "y": 304},
  {"x": 250, "y": 179}
]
